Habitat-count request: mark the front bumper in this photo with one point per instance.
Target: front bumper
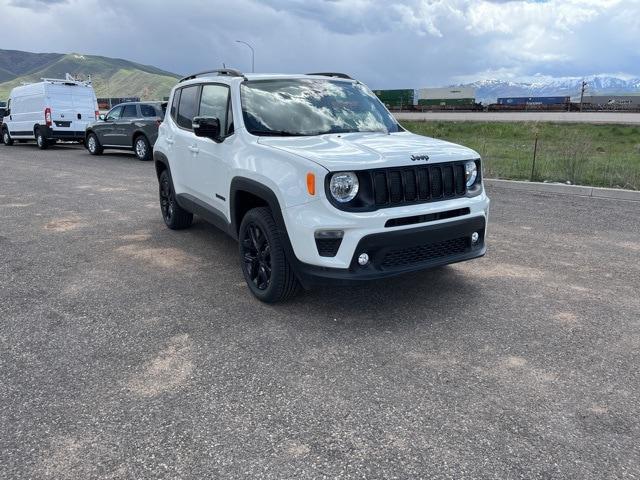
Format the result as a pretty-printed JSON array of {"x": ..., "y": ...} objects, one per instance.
[{"x": 396, "y": 252}]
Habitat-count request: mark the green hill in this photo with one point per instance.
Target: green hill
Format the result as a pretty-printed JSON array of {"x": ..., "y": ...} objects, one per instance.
[{"x": 111, "y": 77}]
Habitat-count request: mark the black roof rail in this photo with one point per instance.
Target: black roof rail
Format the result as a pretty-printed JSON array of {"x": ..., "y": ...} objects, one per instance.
[
  {"x": 228, "y": 72},
  {"x": 332, "y": 74}
]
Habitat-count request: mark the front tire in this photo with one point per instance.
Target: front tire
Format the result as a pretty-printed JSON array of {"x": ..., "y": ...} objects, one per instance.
[
  {"x": 42, "y": 142},
  {"x": 142, "y": 148},
  {"x": 264, "y": 263},
  {"x": 175, "y": 217},
  {"x": 6, "y": 138},
  {"x": 93, "y": 145}
]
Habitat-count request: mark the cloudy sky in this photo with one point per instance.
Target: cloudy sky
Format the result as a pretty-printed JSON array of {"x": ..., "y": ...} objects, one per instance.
[{"x": 387, "y": 43}]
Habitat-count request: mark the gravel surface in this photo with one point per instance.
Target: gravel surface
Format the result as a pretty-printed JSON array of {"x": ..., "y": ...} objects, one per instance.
[{"x": 131, "y": 351}]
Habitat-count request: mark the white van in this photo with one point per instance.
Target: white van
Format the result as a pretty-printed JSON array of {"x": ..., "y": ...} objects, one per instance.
[{"x": 48, "y": 111}]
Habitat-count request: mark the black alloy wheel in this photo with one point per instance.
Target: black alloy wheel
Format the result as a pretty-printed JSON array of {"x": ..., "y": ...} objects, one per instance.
[{"x": 256, "y": 254}]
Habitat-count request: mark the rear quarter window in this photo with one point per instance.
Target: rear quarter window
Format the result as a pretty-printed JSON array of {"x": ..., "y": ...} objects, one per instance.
[
  {"x": 188, "y": 106},
  {"x": 148, "y": 111}
]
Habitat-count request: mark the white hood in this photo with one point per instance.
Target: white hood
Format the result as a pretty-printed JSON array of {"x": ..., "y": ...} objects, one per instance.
[{"x": 359, "y": 151}]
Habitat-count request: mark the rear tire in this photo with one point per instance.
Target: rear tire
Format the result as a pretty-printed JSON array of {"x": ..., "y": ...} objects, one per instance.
[
  {"x": 142, "y": 148},
  {"x": 42, "y": 142},
  {"x": 264, "y": 263},
  {"x": 6, "y": 138},
  {"x": 175, "y": 217},
  {"x": 93, "y": 145}
]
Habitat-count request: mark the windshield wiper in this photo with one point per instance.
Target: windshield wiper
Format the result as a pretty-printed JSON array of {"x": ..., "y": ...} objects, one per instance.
[{"x": 277, "y": 133}]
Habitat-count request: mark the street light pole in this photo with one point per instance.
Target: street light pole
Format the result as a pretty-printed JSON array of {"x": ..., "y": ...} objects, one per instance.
[{"x": 253, "y": 54}]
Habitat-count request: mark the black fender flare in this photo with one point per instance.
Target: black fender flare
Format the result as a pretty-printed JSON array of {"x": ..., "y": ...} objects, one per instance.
[
  {"x": 161, "y": 162},
  {"x": 265, "y": 193}
]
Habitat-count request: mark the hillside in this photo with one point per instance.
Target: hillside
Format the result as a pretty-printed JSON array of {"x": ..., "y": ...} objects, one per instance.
[{"x": 111, "y": 77}]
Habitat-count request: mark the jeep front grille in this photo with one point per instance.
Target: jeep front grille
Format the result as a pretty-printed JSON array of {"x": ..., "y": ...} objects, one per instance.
[{"x": 392, "y": 187}]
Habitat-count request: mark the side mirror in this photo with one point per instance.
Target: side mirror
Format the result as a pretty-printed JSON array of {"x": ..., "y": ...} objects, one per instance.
[
  {"x": 102, "y": 116},
  {"x": 208, "y": 127}
]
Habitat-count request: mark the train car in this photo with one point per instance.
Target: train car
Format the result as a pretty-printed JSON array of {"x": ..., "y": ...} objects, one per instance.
[
  {"x": 612, "y": 102},
  {"x": 511, "y": 101},
  {"x": 397, "y": 99}
]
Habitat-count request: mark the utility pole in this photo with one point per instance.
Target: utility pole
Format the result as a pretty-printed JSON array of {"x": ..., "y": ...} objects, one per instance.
[{"x": 582, "y": 89}]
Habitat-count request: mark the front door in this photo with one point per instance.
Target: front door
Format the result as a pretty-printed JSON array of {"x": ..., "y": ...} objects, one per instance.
[
  {"x": 211, "y": 163},
  {"x": 106, "y": 130}
]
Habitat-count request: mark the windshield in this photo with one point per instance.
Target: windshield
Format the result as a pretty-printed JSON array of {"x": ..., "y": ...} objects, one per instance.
[{"x": 291, "y": 107}]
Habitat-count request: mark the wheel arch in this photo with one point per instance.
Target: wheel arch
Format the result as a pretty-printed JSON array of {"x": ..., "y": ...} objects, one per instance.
[
  {"x": 161, "y": 163},
  {"x": 135, "y": 136}
]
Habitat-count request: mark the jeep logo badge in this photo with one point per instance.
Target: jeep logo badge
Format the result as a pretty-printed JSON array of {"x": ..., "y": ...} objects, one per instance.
[{"x": 415, "y": 158}]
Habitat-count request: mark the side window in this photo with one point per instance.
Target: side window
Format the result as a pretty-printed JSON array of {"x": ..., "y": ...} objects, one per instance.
[
  {"x": 215, "y": 103},
  {"x": 114, "y": 114},
  {"x": 148, "y": 111},
  {"x": 174, "y": 105},
  {"x": 188, "y": 107},
  {"x": 129, "y": 111}
]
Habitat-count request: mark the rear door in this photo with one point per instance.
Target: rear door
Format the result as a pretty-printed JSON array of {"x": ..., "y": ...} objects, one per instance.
[
  {"x": 150, "y": 117},
  {"x": 125, "y": 125},
  {"x": 85, "y": 106}
]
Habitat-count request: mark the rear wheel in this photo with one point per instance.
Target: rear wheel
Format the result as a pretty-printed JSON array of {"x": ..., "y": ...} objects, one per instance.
[
  {"x": 42, "y": 142},
  {"x": 142, "y": 148},
  {"x": 6, "y": 138},
  {"x": 93, "y": 145},
  {"x": 174, "y": 216},
  {"x": 264, "y": 262}
]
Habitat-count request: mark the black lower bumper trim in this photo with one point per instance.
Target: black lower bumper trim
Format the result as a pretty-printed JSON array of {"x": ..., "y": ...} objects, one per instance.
[
  {"x": 402, "y": 251},
  {"x": 52, "y": 134}
]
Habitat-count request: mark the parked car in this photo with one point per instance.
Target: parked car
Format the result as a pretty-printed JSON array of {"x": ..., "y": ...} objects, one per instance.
[
  {"x": 128, "y": 126},
  {"x": 48, "y": 111},
  {"x": 316, "y": 180}
]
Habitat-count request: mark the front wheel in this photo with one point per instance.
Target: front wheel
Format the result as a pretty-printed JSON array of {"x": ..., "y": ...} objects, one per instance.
[
  {"x": 6, "y": 138},
  {"x": 174, "y": 216},
  {"x": 264, "y": 262},
  {"x": 42, "y": 142},
  {"x": 142, "y": 148}
]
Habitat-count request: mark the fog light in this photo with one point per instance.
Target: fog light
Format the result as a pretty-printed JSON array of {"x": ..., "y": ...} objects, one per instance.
[
  {"x": 475, "y": 237},
  {"x": 363, "y": 259}
]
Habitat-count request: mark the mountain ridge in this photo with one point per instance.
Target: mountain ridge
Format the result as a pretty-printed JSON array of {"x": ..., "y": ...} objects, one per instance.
[{"x": 111, "y": 77}]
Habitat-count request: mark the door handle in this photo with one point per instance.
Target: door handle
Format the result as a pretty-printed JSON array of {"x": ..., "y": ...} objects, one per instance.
[
  {"x": 194, "y": 149},
  {"x": 169, "y": 140}
]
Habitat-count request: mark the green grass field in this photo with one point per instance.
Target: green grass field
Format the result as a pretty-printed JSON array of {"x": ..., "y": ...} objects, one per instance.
[{"x": 596, "y": 155}]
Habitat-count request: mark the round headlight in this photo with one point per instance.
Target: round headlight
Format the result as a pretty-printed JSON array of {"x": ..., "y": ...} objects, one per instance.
[
  {"x": 344, "y": 186},
  {"x": 470, "y": 172}
]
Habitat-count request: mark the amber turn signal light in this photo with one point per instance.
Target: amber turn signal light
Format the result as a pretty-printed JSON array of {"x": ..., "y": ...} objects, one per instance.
[{"x": 311, "y": 183}]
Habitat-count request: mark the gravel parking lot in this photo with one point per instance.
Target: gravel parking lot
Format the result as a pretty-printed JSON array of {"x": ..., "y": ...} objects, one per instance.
[{"x": 131, "y": 351}]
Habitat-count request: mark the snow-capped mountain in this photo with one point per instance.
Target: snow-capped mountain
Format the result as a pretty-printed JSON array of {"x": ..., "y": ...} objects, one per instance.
[{"x": 487, "y": 91}]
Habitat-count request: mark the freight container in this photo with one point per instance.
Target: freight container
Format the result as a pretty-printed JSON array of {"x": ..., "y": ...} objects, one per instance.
[
  {"x": 453, "y": 93},
  {"x": 622, "y": 101},
  {"x": 533, "y": 100},
  {"x": 445, "y": 102},
  {"x": 404, "y": 98}
]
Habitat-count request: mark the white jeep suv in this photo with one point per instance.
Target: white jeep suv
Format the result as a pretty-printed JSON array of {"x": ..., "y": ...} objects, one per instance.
[{"x": 315, "y": 179}]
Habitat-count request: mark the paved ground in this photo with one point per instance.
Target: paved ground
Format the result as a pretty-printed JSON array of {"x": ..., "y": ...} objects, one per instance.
[
  {"x": 131, "y": 351},
  {"x": 569, "y": 117}
]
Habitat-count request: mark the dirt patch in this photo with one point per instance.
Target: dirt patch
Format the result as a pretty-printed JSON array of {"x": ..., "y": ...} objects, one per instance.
[
  {"x": 566, "y": 318},
  {"x": 297, "y": 449},
  {"x": 63, "y": 225},
  {"x": 137, "y": 237},
  {"x": 514, "y": 362},
  {"x": 169, "y": 370},
  {"x": 169, "y": 258}
]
